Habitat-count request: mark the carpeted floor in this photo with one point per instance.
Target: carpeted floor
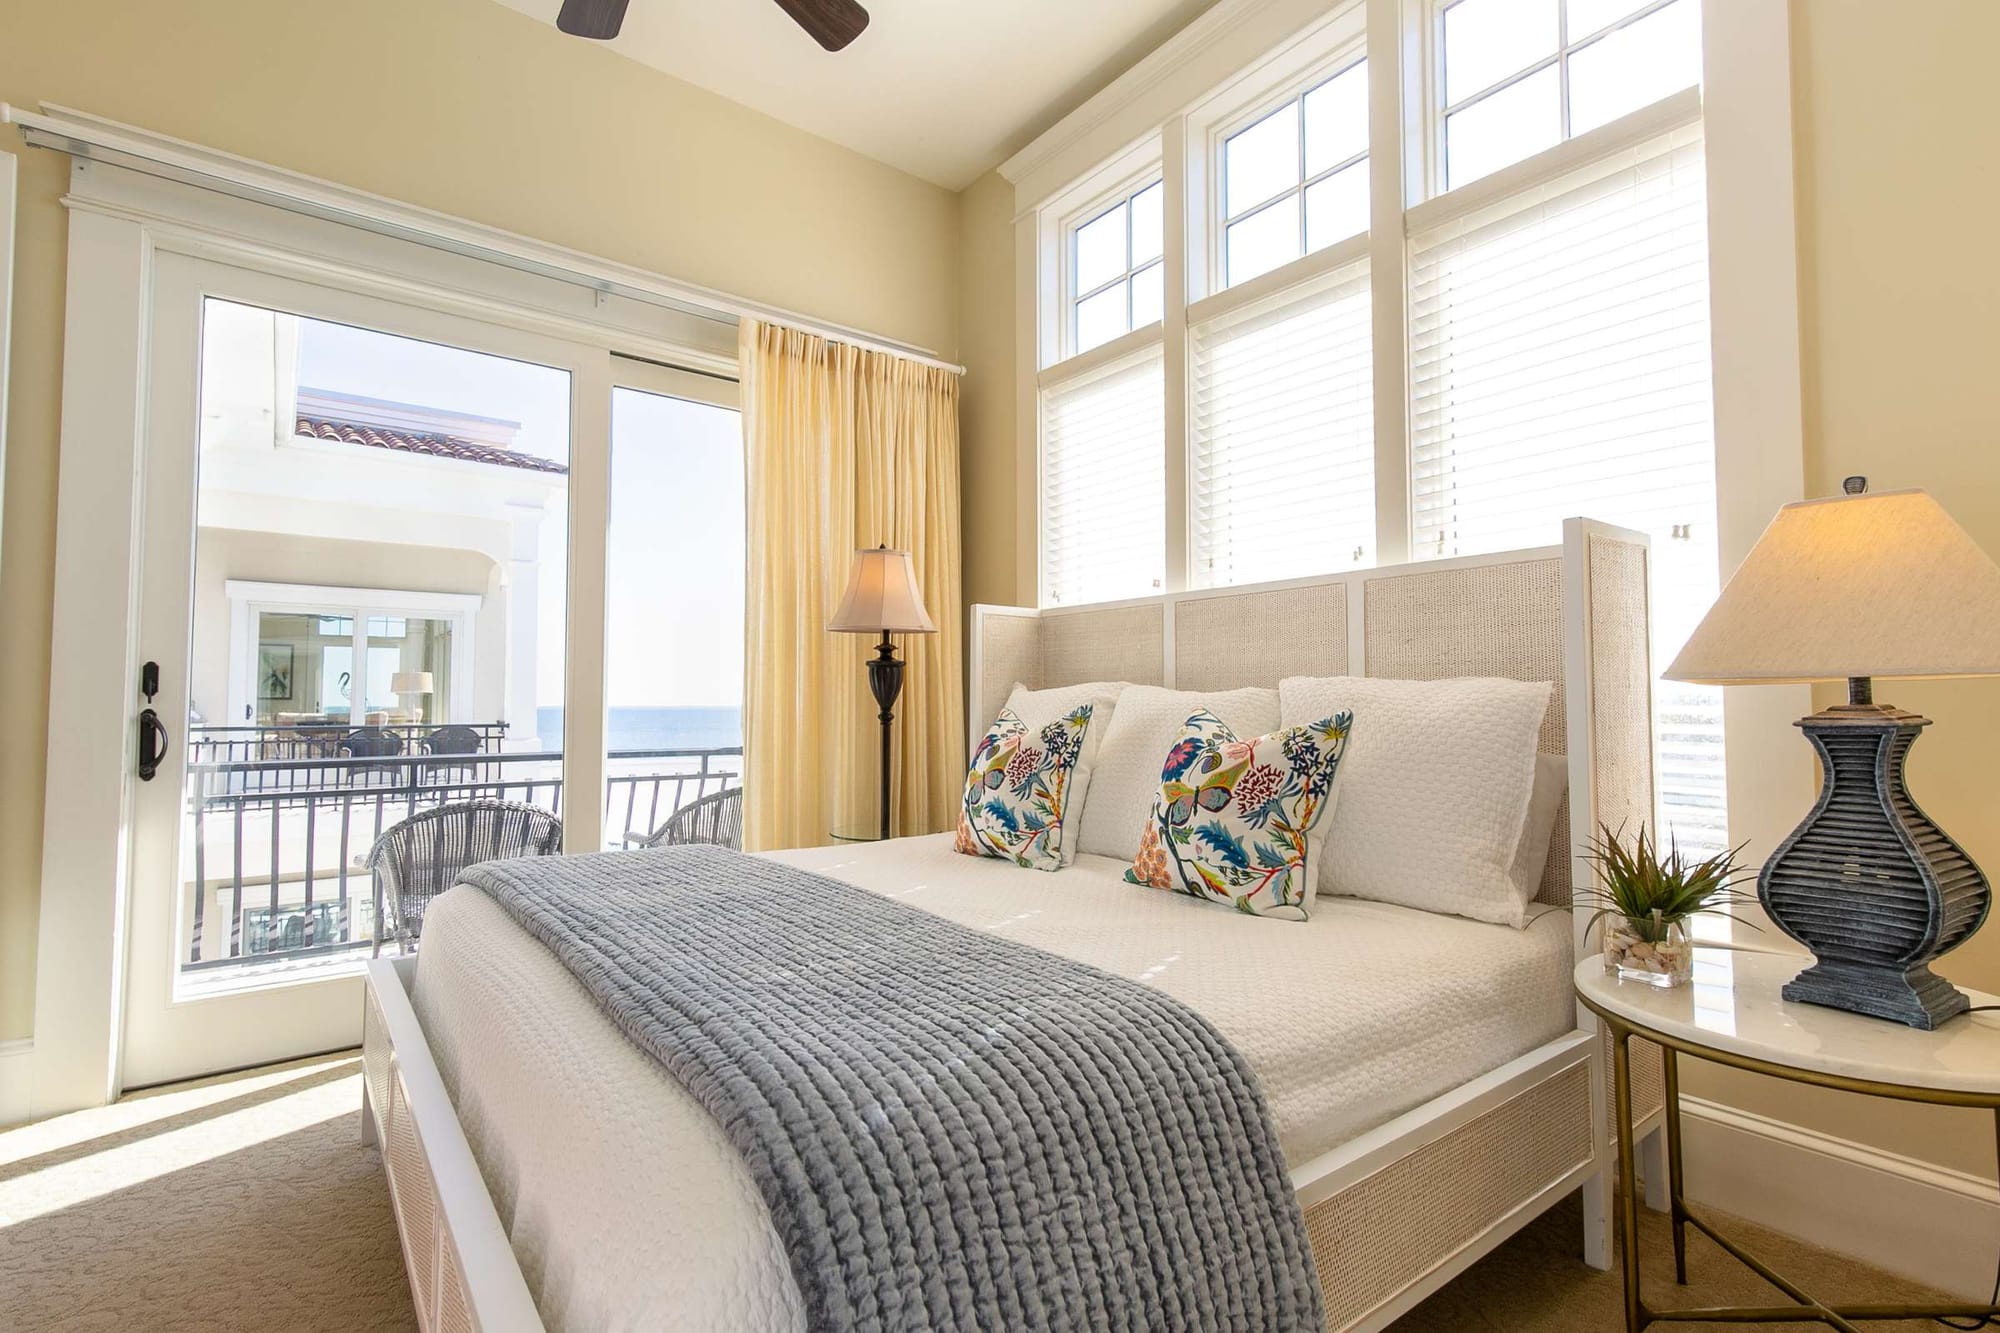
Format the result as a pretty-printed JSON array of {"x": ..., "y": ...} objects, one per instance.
[{"x": 248, "y": 1203}]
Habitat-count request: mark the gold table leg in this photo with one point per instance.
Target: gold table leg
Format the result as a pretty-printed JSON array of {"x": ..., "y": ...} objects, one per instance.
[
  {"x": 1806, "y": 1310},
  {"x": 1670, "y": 1072},
  {"x": 1628, "y": 1191}
]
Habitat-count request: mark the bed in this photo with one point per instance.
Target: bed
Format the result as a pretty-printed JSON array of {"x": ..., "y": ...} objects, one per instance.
[{"x": 1450, "y": 1091}]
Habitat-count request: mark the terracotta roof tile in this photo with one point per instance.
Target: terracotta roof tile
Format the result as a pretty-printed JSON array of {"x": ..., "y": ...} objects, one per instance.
[{"x": 419, "y": 442}]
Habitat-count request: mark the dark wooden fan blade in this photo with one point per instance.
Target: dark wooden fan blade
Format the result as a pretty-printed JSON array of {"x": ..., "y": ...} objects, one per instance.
[
  {"x": 598, "y": 20},
  {"x": 831, "y": 23}
]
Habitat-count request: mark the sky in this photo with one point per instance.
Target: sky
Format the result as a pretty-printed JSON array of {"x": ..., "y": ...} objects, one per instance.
[{"x": 676, "y": 540}]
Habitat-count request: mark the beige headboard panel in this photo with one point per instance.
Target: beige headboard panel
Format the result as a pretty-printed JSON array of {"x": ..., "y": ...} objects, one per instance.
[
  {"x": 1228, "y": 640},
  {"x": 1575, "y": 615}
]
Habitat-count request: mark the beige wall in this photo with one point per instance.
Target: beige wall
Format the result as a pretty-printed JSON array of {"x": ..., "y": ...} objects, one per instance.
[
  {"x": 988, "y": 475},
  {"x": 459, "y": 105},
  {"x": 1894, "y": 147}
]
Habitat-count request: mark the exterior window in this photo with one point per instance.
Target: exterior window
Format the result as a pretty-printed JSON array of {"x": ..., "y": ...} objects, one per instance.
[
  {"x": 1296, "y": 181},
  {"x": 1102, "y": 489},
  {"x": 1116, "y": 278},
  {"x": 1520, "y": 76},
  {"x": 1592, "y": 398},
  {"x": 1281, "y": 430}
]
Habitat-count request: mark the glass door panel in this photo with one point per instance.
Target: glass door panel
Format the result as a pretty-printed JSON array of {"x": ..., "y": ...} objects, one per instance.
[
  {"x": 674, "y": 615},
  {"x": 355, "y": 586}
]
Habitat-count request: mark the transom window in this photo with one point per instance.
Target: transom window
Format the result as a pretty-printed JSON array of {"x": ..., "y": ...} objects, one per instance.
[
  {"x": 1296, "y": 180},
  {"x": 1117, "y": 283},
  {"x": 1520, "y": 76}
]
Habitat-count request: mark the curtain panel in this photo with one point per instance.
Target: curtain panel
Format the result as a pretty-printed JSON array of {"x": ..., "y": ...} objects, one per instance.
[{"x": 845, "y": 449}]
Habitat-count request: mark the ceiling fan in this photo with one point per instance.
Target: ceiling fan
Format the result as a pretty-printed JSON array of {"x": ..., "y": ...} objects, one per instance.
[{"x": 831, "y": 23}]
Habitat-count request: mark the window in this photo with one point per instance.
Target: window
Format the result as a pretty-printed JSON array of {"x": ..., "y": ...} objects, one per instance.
[
  {"x": 1102, "y": 487},
  {"x": 1590, "y": 396},
  {"x": 673, "y": 647},
  {"x": 1296, "y": 180},
  {"x": 1521, "y": 76},
  {"x": 1282, "y": 434},
  {"x": 1116, "y": 274},
  {"x": 1549, "y": 329}
]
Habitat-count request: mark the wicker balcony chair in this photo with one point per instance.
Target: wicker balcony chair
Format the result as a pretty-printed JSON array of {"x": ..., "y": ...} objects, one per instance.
[
  {"x": 716, "y": 819},
  {"x": 416, "y": 860}
]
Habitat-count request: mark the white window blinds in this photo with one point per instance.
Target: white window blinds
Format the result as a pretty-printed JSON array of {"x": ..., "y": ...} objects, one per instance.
[
  {"x": 1560, "y": 367},
  {"x": 1103, "y": 484},
  {"x": 1281, "y": 434}
]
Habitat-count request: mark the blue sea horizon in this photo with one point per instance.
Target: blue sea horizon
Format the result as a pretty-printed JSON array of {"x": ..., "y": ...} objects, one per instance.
[{"x": 656, "y": 728}]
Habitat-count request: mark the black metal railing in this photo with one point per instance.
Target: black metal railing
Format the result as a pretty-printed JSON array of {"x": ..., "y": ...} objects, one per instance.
[
  {"x": 281, "y": 841},
  {"x": 273, "y": 748}
]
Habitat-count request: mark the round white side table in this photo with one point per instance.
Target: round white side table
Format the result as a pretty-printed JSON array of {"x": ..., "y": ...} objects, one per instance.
[{"x": 1732, "y": 1014}]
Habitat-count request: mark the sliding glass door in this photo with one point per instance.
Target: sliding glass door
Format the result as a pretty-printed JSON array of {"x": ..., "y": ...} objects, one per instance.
[{"x": 391, "y": 557}]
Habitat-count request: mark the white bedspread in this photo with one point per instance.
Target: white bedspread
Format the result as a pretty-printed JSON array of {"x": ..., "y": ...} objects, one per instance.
[{"x": 628, "y": 1208}]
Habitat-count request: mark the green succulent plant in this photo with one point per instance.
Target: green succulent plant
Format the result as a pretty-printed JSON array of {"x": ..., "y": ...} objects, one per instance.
[{"x": 1652, "y": 892}]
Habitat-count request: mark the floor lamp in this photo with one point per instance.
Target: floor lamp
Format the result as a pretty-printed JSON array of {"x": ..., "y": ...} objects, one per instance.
[{"x": 882, "y": 598}]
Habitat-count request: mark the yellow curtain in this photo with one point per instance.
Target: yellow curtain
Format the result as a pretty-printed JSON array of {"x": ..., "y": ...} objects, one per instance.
[{"x": 845, "y": 449}]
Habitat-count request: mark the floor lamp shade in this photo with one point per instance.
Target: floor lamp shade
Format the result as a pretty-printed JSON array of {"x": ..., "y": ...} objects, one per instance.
[
  {"x": 882, "y": 598},
  {"x": 1852, "y": 588}
]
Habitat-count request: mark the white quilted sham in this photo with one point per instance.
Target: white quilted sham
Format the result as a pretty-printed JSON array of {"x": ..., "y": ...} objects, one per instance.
[
  {"x": 628, "y": 1209},
  {"x": 1434, "y": 790}
]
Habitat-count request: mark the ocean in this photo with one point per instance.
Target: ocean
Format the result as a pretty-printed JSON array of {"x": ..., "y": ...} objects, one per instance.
[{"x": 656, "y": 728}]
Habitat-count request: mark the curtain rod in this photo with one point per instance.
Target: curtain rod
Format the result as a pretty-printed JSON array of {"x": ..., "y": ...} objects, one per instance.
[{"x": 96, "y": 139}]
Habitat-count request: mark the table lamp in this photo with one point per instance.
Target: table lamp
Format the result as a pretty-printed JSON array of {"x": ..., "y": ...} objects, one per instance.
[
  {"x": 1851, "y": 588},
  {"x": 882, "y": 598},
  {"x": 405, "y": 683}
]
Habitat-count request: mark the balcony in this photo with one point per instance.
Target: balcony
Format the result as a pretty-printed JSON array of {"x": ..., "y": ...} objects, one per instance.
[{"x": 280, "y": 819}]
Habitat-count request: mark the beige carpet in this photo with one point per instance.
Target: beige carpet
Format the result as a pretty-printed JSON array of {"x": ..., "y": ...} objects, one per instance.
[{"x": 248, "y": 1203}]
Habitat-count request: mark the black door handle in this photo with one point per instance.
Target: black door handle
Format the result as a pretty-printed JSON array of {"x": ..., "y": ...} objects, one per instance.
[{"x": 152, "y": 743}]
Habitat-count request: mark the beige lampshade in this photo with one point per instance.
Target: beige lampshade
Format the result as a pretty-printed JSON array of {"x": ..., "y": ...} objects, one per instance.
[
  {"x": 1858, "y": 585},
  {"x": 410, "y": 682},
  {"x": 882, "y": 597}
]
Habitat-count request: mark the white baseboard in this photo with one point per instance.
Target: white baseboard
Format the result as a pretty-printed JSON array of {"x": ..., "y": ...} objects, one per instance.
[
  {"x": 14, "y": 1057},
  {"x": 1928, "y": 1223}
]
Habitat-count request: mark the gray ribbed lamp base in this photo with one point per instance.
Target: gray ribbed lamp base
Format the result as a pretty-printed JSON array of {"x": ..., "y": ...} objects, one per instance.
[{"x": 1868, "y": 882}]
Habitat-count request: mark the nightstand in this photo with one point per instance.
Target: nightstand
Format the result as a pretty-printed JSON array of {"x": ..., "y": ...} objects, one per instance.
[{"x": 1732, "y": 1014}]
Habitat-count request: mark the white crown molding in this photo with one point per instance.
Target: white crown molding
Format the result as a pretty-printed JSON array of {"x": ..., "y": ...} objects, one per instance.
[{"x": 1153, "y": 69}]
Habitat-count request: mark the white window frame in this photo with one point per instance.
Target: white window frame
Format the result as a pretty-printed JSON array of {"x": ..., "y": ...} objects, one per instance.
[
  {"x": 1349, "y": 53},
  {"x": 1075, "y": 297},
  {"x": 1239, "y": 50},
  {"x": 1565, "y": 48}
]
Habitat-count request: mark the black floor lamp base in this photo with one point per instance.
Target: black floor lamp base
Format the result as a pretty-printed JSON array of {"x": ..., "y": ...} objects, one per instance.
[
  {"x": 1868, "y": 882},
  {"x": 885, "y": 680}
]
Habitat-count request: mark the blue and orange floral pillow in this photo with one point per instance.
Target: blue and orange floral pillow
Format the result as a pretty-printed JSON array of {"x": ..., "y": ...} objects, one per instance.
[
  {"x": 1022, "y": 791},
  {"x": 1234, "y": 819}
]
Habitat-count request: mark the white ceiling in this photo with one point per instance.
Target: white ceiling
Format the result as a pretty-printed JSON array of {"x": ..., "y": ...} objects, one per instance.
[{"x": 944, "y": 89}]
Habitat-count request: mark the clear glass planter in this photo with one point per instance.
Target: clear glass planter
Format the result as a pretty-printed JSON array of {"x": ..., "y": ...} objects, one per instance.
[{"x": 1664, "y": 961}]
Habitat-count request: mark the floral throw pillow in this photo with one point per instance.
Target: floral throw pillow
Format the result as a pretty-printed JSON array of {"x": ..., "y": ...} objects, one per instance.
[
  {"x": 1018, "y": 790},
  {"x": 1233, "y": 818}
]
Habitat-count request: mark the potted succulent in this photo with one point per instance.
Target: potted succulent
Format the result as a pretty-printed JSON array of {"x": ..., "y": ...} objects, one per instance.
[{"x": 1645, "y": 900}]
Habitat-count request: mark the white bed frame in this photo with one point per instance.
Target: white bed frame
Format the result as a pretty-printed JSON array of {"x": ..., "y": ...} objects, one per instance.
[{"x": 1394, "y": 1214}]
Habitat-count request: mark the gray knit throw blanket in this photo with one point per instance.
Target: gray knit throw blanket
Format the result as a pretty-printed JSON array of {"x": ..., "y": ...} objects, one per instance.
[{"x": 952, "y": 1130}]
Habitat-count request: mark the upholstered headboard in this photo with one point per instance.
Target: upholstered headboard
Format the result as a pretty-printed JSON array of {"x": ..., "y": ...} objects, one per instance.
[{"x": 1575, "y": 615}]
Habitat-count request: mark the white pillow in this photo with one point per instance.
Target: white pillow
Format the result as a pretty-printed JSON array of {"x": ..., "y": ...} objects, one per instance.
[
  {"x": 1435, "y": 789},
  {"x": 1038, "y": 708},
  {"x": 1125, "y": 776},
  {"x": 1531, "y": 858}
]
